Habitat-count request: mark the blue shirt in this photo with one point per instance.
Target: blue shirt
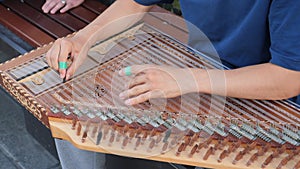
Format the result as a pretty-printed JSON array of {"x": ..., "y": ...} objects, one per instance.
[{"x": 246, "y": 32}]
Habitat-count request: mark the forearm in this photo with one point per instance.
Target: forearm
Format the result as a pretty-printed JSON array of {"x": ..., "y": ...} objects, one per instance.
[
  {"x": 119, "y": 16},
  {"x": 265, "y": 81}
]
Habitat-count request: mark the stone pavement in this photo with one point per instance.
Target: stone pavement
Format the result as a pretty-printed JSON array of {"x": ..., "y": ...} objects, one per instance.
[{"x": 18, "y": 149}]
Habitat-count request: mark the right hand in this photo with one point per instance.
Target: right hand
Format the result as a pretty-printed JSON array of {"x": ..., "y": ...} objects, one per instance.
[
  {"x": 53, "y": 6},
  {"x": 62, "y": 49}
]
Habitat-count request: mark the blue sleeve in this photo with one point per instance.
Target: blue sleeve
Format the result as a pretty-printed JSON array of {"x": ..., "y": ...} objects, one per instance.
[
  {"x": 284, "y": 25},
  {"x": 152, "y": 2}
]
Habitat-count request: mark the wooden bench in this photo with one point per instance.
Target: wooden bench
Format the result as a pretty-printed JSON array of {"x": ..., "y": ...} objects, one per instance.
[{"x": 27, "y": 20}]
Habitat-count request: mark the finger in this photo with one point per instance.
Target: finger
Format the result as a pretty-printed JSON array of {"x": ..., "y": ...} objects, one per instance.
[
  {"x": 135, "y": 69},
  {"x": 140, "y": 98},
  {"x": 66, "y": 8},
  {"x": 137, "y": 80},
  {"x": 49, "y": 5},
  {"x": 77, "y": 61},
  {"x": 70, "y": 71},
  {"x": 65, "y": 50},
  {"x": 71, "y": 5},
  {"x": 135, "y": 91},
  {"x": 52, "y": 55},
  {"x": 72, "y": 68},
  {"x": 57, "y": 6},
  {"x": 44, "y": 7}
]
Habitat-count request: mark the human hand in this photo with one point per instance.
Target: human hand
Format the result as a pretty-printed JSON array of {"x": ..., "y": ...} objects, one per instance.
[
  {"x": 151, "y": 81},
  {"x": 53, "y": 6},
  {"x": 71, "y": 48}
]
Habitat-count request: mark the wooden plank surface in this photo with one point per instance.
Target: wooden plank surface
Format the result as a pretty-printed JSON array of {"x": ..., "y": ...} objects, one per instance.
[
  {"x": 39, "y": 19},
  {"x": 84, "y": 14},
  {"x": 29, "y": 32},
  {"x": 94, "y": 6},
  {"x": 65, "y": 19}
]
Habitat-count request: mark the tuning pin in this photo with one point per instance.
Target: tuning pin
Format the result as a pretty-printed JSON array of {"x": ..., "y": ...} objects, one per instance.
[
  {"x": 151, "y": 144},
  {"x": 111, "y": 139},
  {"x": 153, "y": 133},
  {"x": 224, "y": 142},
  {"x": 131, "y": 133},
  {"x": 125, "y": 130},
  {"x": 244, "y": 151},
  {"x": 145, "y": 135},
  {"x": 269, "y": 159},
  {"x": 223, "y": 155},
  {"x": 288, "y": 158},
  {"x": 99, "y": 137},
  {"x": 264, "y": 149},
  {"x": 137, "y": 143},
  {"x": 138, "y": 132},
  {"x": 260, "y": 152},
  {"x": 282, "y": 149},
  {"x": 234, "y": 146},
  {"x": 209, "y": 152},
  {"x": 251, "y": 146},
  {"x": 159, "y": 138},
  {"x": 164, "y": 148},
  {"x": 74, "y": 121},
  {"x": 105, "y": 132},
  {"x": 297, "y": 166},
  {"x": 125, "y": 142},
  {"x": 239, "y": 156},
  {"x": 193, "y": 151},
  {"x": 204, "y": 144},
  {"x": 284, "y": 161},
  {"x": 218, "y": 145},
  {"x": 194, "y": 139},
  {"x": 252, "y": 159},
  {"x": 187, "y": 140},
  {"x": 78, "y": 129},
  {"x": 84, "y": 136},
  {"x": 180, "y": 149}
]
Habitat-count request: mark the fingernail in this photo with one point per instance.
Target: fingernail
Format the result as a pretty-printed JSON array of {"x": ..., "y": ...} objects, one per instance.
[
  {"x": 62, "y": 76},
  {"x": 67, "y": 77},
  {"x": 128, "y": 102},
  {"x": 122, "y": 95},
  {"x": 120, "y": 72}
]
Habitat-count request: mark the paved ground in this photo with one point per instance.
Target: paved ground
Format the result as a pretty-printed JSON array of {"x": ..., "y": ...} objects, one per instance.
[{"x": 18, "y": 149}]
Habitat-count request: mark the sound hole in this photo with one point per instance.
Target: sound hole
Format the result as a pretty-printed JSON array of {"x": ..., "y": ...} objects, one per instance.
[{"x": 99, "y": 90}]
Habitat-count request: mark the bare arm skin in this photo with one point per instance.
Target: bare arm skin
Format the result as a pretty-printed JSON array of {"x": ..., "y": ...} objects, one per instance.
[
  {"x": 119, "y": 16},
  {"x": 264, "y": 81}
]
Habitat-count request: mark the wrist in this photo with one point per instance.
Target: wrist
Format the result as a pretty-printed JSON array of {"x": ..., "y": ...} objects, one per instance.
[{"x": 202, "y": 80}]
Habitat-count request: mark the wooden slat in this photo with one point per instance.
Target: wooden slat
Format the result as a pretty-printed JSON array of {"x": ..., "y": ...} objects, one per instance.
[
  {"x": 40, "y": 20},
  {"x": 65, "y": 19},
  {"x": 23, "y": 28},
  {"x": 84, "y": 14},
  {"x": 94, "y": 6}
]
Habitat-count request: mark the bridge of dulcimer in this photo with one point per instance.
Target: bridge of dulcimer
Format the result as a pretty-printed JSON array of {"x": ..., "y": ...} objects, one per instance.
[{"x": 196, "y": 129}]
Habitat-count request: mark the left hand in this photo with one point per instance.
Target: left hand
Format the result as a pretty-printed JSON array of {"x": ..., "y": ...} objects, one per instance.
[
  {"x": 53, "y": 6},
  {"x": 151, "y": 81}
]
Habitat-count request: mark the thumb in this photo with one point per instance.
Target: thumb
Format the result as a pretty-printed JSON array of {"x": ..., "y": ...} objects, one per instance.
[{"x": 77, "y": 61}]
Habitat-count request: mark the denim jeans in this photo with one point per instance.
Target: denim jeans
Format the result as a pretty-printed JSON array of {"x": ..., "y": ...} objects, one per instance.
[{"x": 74, "y": 158}]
